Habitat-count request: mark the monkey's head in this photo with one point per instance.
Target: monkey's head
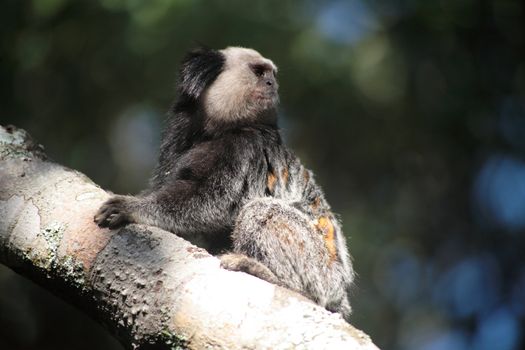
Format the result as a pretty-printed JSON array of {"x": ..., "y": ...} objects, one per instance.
[{"x": 230, "y": 86}]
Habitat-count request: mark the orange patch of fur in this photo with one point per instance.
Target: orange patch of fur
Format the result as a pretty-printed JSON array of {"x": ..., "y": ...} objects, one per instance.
[
  {"x": 306, "y": 175},
  {"x": 325, "y": 225},
  {"x": 315, "y": 203},
  {"x": 285, "y": 175},
  {"x": 270, "y": 182}
]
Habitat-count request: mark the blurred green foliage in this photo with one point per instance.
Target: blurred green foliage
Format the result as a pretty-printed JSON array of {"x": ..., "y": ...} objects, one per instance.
[{"x": 410, "y": 112}]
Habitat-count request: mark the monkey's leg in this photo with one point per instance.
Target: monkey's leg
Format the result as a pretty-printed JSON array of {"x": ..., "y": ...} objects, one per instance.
[
  {"x": 294, "y": 247},
  {"x": 284, "y": 240}
]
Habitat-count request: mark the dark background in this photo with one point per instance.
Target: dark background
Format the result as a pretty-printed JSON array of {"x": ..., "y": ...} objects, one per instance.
[{"x": 411, "y": 113}]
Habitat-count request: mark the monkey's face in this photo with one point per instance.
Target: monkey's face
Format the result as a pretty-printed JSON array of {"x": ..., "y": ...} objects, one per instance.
[{"x": 246, "y": 88}]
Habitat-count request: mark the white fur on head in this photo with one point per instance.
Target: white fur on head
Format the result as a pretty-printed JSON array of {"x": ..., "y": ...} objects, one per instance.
[{"x": 230, "y": 96}]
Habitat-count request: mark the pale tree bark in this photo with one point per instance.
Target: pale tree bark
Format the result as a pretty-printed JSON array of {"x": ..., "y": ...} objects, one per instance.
[{"x": 149, "y": 287}]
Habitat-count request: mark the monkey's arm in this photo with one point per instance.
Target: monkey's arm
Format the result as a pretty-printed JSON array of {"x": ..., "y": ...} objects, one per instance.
[{"x": 201, "y": 194}]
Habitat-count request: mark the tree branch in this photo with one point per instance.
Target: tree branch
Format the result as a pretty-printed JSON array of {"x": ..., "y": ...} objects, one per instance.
[{"x": 149, "y": 287}]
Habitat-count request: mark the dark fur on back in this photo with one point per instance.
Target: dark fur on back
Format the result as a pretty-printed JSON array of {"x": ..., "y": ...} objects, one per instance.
[{"x": 184, "y": 127}]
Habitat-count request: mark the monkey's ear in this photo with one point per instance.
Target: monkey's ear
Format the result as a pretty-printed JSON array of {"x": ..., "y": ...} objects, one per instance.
[{"x": 199, "y": 68}]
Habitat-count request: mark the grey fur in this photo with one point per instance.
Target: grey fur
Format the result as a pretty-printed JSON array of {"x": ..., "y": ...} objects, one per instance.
[{"x": 225, "y": 181}]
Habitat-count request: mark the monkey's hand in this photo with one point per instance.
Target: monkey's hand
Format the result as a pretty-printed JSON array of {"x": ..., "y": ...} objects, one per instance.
[{"x": 115, "y": 212}]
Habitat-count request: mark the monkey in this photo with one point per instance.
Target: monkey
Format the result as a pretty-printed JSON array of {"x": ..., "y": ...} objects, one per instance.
[{"x": 226, "y": 182}]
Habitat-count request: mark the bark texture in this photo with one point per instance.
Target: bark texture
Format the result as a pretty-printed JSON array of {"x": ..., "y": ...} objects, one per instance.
[{"x": 150, "y": 288}]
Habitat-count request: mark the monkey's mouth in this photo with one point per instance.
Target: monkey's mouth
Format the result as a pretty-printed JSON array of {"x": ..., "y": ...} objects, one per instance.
[{"x": 266, "y": 98}]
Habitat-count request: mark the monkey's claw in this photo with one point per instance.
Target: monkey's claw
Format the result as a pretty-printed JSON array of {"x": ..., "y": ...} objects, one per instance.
[{"x": 113, "y": 213}]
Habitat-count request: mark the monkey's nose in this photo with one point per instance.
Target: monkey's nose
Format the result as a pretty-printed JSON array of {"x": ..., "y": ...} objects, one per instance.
[{"x": 269, "y": 82}]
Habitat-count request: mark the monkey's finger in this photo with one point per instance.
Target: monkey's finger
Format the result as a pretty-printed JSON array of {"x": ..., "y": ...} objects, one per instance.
[
  {"x": 101, "y": 220},
  {"x": 116, "y": 220},
  {"x": 112, "y": 205},
  {"x": 102, "y": 215},
  {"x": 102, "y": 212},
  {"x": 109, "y": 208}
]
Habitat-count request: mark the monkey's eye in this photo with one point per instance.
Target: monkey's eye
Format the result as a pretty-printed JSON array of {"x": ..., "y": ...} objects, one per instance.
[{"x": 258, "y": 69}]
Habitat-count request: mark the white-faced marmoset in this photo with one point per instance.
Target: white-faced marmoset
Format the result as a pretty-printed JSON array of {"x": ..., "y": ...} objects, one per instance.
[{"x": 226, "y": 182}]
